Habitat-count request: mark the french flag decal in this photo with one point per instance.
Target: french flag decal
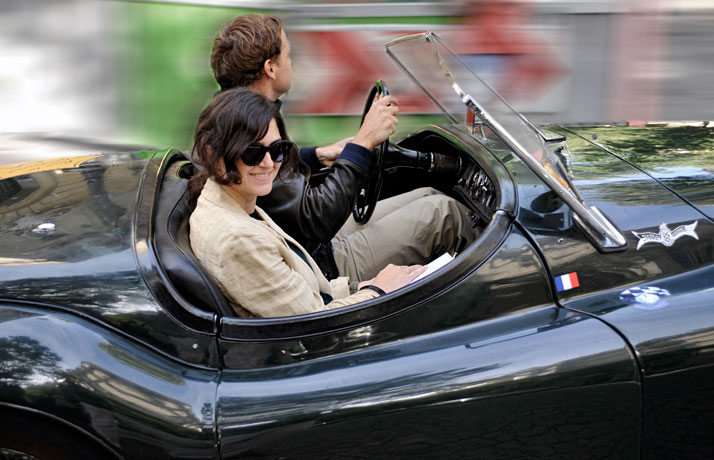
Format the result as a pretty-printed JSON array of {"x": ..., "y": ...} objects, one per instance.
[{"x": 565, "y": 282}]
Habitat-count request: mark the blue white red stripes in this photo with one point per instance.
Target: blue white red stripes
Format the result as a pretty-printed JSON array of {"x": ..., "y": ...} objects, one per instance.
[{"x": 565, "y": 282}]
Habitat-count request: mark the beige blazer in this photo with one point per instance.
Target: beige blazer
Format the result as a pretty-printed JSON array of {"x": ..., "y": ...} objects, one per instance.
[{"x": 253, "y": 265}]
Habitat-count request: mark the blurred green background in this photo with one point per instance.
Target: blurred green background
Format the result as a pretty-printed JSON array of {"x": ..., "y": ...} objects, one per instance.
[{"x": 166, "y": 76}]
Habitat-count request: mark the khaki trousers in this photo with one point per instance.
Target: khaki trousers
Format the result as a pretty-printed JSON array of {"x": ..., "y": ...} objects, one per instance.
[{"x": 411, "y": 228}]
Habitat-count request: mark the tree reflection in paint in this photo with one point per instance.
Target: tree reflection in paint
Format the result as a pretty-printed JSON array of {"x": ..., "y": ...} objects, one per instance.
[{"x": 24, "y": 361}]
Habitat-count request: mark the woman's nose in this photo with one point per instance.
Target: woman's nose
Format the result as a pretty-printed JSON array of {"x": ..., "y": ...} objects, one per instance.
[{"x": 267, "y": 161}]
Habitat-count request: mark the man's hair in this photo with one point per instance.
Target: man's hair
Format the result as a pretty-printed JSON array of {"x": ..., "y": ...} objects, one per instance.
[{"x": 242, "y": 47}]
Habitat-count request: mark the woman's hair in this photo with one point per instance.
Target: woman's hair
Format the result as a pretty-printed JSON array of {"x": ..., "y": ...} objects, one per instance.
[{"x": 232, "y": 120}]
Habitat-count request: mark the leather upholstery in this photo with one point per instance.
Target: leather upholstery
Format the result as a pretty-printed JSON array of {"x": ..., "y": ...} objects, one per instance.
[{"x": 171, "y": 239}]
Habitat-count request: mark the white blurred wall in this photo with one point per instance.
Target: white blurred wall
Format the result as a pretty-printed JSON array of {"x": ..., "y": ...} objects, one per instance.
[
  {"x": 616, "y": 60},
  {"x": 57, "y": 70}
]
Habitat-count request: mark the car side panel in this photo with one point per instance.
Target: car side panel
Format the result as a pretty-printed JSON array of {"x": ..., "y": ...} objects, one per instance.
[
  {"x": 674, "y": 342},
  {"x": 139, "y": 403},
  {"x": 539, "y": 384},
  {"x": 488, "y": 368}
]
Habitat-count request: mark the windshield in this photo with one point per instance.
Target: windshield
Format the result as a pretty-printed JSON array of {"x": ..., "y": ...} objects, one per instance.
[
  {"x": 467, "y": 100},
  {"x": 461, "y": 94}
]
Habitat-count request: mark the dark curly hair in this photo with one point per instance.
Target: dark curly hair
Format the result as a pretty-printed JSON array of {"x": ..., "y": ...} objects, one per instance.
[
  {"x": 231, "y": 121},
  {"x": 242, "y": 47}
]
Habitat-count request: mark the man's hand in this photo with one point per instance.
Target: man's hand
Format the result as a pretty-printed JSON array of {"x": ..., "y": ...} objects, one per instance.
[
  {"x": 328, "y": 154},
  {"x": 379, "y": 123}
]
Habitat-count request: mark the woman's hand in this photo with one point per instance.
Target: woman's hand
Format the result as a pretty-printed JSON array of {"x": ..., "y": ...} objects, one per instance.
[
  {"x": 393, "y": 277},
  {"x": 379, "y": 123}
]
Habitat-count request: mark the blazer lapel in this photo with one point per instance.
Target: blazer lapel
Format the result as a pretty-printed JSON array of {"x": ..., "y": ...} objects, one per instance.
[
  {"x": 322, "y": 281},
  {"x": 215, "y": 193}
]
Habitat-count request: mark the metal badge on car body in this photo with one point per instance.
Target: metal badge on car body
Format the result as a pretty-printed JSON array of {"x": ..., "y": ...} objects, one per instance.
[
  {"x": 666, "y": 237},
  {"x": 646, "y": 297}
]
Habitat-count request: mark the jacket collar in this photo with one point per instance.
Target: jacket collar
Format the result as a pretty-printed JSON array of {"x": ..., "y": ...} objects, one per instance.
[{"x": 214, "y": 193}]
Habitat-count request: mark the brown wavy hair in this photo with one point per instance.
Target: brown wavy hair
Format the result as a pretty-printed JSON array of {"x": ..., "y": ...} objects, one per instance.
[
  {"x": 242, "y": 47},
  {"x": 231, "y": 121}
]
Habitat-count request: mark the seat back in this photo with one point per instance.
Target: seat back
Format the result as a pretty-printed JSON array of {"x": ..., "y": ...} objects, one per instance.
[{"x": 173, "y": 247}]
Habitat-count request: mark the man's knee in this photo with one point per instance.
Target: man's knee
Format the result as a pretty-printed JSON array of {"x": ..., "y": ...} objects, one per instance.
[
  {"x": 425, "y": 191},
  {"x": 441, "y": 205},
  {"x": 445, "y": 215}
]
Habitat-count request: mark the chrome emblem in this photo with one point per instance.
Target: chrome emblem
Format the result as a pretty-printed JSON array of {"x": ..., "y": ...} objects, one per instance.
[
  {"x": 646, "y": 297},
  {"x": 666, "y": 236}
]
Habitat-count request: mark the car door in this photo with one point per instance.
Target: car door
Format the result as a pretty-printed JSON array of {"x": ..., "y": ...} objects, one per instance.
[
  {"x": 477, "y": 363},
  {"x": 673, "y": 340}
]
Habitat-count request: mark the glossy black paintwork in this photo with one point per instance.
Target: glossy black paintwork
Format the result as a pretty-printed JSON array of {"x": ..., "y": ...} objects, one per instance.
[
  {"x": 679, "y": 157},
  {"x": 91, "y": 207},
  {"x": 633, "y": 201},
  {"x": 483, "y": 360},
  {"x": 87, "y": 264},
  {"x": 673, "y": 344},
  {"x": 137, "y": 403},
  {"x": 513, "y": 387}
]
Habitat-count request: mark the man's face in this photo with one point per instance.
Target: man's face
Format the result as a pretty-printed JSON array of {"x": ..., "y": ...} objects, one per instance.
[{"x": 283, "y": 67}]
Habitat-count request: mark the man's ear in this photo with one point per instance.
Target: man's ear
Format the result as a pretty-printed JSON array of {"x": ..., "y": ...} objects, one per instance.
[{"x": 269, "y": 69}]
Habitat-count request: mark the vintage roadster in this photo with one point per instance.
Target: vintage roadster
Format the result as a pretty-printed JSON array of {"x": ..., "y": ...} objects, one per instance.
[{"x": 579, "y": 325}]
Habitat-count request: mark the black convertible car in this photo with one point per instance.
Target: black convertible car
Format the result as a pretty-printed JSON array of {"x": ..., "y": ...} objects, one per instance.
[{"x": 579, "y": 325}]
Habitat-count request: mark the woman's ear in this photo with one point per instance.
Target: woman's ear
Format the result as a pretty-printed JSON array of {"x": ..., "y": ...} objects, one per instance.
[{"x": 220, "y": 166}]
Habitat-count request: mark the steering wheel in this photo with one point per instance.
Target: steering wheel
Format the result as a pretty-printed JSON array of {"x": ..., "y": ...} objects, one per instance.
[{"x": 366, "y": 199}]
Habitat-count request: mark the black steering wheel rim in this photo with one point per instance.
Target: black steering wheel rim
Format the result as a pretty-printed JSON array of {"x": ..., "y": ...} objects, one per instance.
[{"x": 366, "y": 198}]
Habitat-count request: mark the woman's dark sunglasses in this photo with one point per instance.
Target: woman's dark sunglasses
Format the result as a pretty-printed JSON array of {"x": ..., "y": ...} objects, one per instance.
[{"x": 279, "y": 150}]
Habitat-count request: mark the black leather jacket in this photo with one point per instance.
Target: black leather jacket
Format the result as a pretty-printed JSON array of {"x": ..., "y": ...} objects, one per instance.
[{"x": 313, "y": 215}]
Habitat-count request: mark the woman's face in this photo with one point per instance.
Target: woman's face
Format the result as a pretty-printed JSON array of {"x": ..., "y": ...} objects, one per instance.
[{"x": 258, "y": 180}]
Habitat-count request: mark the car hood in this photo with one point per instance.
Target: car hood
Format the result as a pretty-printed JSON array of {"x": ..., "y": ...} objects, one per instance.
[{"x": 680, "y": 157}]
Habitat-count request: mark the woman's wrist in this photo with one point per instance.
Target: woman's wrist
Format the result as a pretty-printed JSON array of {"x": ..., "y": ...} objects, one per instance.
[{"x": 374, "y": 288}]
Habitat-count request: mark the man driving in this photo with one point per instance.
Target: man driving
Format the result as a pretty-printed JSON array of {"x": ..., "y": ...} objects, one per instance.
[{"x": 412, "y": 228}]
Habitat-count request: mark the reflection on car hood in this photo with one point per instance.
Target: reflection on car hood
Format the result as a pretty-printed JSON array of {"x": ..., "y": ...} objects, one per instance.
[
  {"x": 679, "y": 157},
  {"x": 66, "y": 212}
]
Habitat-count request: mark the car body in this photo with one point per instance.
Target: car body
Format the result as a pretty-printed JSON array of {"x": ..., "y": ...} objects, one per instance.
[{"x": 114, "y": 343}]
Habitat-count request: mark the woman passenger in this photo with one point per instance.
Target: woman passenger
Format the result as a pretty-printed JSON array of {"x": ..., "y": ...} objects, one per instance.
[{"x": 241, "y": 144}]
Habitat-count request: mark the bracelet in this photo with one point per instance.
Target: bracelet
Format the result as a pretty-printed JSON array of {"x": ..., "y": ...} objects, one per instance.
[{"x": 374, "y": 288}]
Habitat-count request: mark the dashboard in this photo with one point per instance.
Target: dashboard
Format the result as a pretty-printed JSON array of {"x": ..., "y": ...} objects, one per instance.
[
  {"x": 463, "y": 174},
  {"x": 479, "y": 189}
]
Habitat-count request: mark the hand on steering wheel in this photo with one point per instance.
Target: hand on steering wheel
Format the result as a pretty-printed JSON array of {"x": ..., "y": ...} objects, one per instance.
[{"x": 366, "y": 199}]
